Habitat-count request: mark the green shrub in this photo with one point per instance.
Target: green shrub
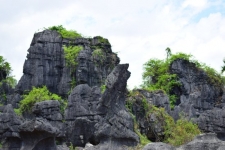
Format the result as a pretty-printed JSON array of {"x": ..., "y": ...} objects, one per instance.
[
  {"x": 37, "y": 95},
  {"x": 176, "y": 133},
  {"x": 5, "y": 67},
  {"x": 157, "y": 76},
  {"x": 173, "y": 132},
  {"x": 65, "y": 33},
  {"x": 102, "y": 40},
  {"x": 99, "y": 54},
  {"x": 143, "y": 139},
  {"x": 70, "y": 54},
  {"x": 183, "y": 132},
  {"x": 103, "y": 88}
]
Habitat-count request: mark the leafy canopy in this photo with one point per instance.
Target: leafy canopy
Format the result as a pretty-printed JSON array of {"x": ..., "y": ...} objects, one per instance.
[
  {"x": 5, "y": 70},
  {"x": 66, "y": 33},
  {"x": 36, "y": 95},
  {"x": 5, "y": 66}
]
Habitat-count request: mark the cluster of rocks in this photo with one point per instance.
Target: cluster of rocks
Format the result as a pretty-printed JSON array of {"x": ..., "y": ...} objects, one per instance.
[{"x": 102, "y": 118}]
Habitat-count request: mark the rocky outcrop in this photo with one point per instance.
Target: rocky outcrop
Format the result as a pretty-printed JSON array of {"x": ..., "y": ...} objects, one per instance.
[
  {"x": 207, "y": 141},
  {"x": 38, "y": 134},
  {"x": 149, "y": 124},
  {"x": 9, "y": 128},
  {"x": 198, "y": 97},
  {"x": 6, "y": 91},
  {"x": 116, "y": 128},
  {"x": 82, "y": 114},
  {"x": 45, "y": 63},
  {"x": 49, "y": 110}
]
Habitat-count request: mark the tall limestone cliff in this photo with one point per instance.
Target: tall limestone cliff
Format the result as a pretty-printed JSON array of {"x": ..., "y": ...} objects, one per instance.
[
  {"x": 45, "y": 125},
  {"x": 200, "y": 99},
  {"x": 46, "y": 64}
]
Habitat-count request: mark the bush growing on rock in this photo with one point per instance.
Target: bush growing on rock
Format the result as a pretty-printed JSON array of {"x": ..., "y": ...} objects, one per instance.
[
  {"x": 5, "y": 70},
  {"x": 157, "y": 74},
  {"x": 65, "y": 33},
  {"x": 36, "y": 95},
  {"x": 160, "y": 124}
]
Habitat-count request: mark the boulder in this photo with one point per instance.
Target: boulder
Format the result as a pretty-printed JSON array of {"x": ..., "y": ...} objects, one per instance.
[
  {"x": 116, "y": 129},
  {"x": 9, "y": 128},
  {"x": 46, "y": 65},
  {"x": 81, "y": 114},
  {"x": 38, "y": 134},
  {"x": 199, "y": 98},
  {"x": 208, "y": 141},
  {"x": 149, "y": 124}
]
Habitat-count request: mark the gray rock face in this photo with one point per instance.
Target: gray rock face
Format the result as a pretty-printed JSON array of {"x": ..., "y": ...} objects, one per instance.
[
  {"x": 45, "y": 64},
  {"x": 212, "y": 120},
  {"x": 49, "y": 110},
  {"x": 199, "y": 98},
  {"x": 158, "y": 146},
  {"x": 38, "y": 134},
  {"x": 116, "y": 128},
  {"x": 9, "y": 132},
  {"x": 82, "y": 114},
  {"x": 150, "y": 125},
  {"x": 5, "y": 92},
  {"x": 207, "y": 141}
]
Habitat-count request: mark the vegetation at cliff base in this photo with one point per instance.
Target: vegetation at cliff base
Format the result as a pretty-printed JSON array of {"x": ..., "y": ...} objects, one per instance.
[
  {"x": 5, "y": 71},
  {"x": 4, "y": 66},
  {"x": 34, "y": 96},
  {"x": 157, "y": 74},
  {"x": 65, "y": 33},
  {"x": 175, "y": 132}
]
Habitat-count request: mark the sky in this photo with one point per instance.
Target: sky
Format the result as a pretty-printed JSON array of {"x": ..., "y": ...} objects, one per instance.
[{"x": 138, "y": 30}]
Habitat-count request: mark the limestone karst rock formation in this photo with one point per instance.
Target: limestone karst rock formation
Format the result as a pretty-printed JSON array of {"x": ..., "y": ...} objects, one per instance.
[{"x": 93, "y": 116}]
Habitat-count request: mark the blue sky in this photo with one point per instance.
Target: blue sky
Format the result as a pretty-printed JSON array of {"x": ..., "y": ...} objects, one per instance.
[{"x": 137, "y": 30}]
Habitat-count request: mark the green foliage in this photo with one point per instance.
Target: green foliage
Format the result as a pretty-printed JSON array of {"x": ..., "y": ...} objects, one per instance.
[
  {"x": 168, "y": 52},
  {"x": 73, "y": 83},
  {"x": 157, "y": 76},
  {"x": 223, "y": 67},
  {"x": 103, "y": 88},
  {"x": 70, "y": 54},
  {"x": 36, "y": 95},
  {"x": 10, "y": 80},
  {"x": 5, "y": 66},
  {"x": 143, "y": 139},
  {"x": 99, "y": 55},
  {"x": 65, "y": 33},
  {"x": 71, "y": 147},
  {"x": 175, "y": 133},
  {"x": 102, "y": 40},
  {"x": 17, "y": 111},
  {"x": 182, "y": 132}
]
